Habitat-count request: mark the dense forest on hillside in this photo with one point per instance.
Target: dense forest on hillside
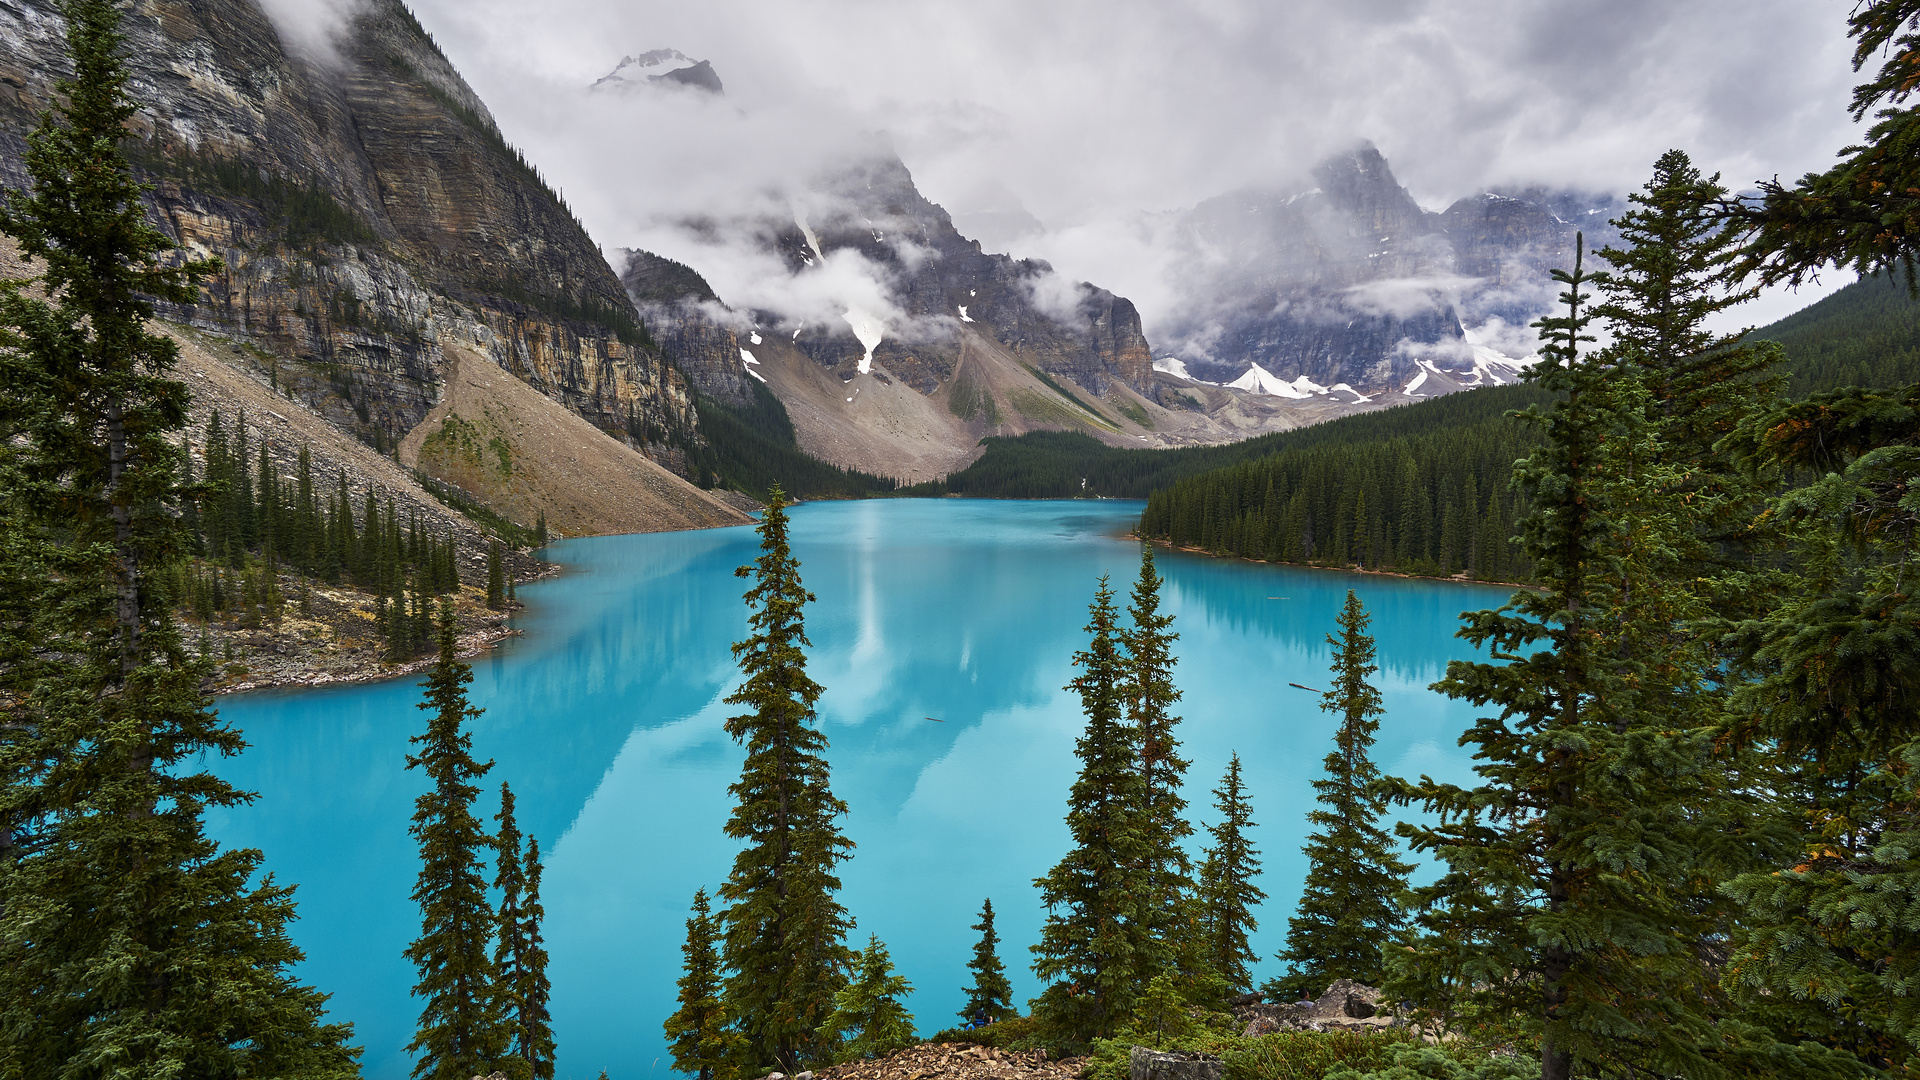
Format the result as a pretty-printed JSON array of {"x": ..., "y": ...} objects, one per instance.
[
  {"x": 1063, "y": 465},
  {"x": 1867, "y": 334},
  {"x": 1434, "y": 502},
  {"x": 1431, "y": 497}
]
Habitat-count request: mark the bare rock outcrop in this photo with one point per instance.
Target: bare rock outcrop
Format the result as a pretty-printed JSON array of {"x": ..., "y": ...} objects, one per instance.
[
  {"x": 953, "y": 1061},
  {"x": 1345, "y": 1005},
  {"x": 1145, "y": 1064}
]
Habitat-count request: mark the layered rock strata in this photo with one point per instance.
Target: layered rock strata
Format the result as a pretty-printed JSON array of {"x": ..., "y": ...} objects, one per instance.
[{"x": 367, "y": 211}]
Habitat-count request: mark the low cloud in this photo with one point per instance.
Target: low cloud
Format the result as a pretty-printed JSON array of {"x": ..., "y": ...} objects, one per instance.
[
  {"x": 1069, "y": 131},
  {"x": 1404, "y": 298},
  {"x": 312, "y": 28}
]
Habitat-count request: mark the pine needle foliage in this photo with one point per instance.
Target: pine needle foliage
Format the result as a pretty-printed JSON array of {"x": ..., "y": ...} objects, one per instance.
[
  {"x": 496, "y": 579},
  {"x": 868, "y": 1019},
  {"x": 1228, "y": 896},
  {"x": 1150, "y": 694},
  {"x": 784, "y": 933},
  {"x": 1096, "y": 947},
  {"x": 698, "y": 1035},
  {"x": 1833, "y": 949},
  {"x": 1578, "y": 896},
  {"x": 990, "y": 998},
  {"x": 519, "y": 963},
  {"x": 533, "y": 1034},
  {"x": 1350, "y": 904},
  {"x": 1864, "y": 212},
  {"x": 461, "y": 1032},
  {"x": 131, "y": 946}
]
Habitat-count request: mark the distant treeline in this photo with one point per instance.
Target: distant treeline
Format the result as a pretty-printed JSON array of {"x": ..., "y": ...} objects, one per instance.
[
  {"x": 1428, "y": 502},
  {"x": 1424, "y": 489},
  {"x": 1065, "y": 465},
  {"x": 1867, "y": 334}
]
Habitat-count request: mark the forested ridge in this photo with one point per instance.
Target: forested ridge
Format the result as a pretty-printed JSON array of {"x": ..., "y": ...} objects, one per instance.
[
  {"x": 752, "y": 448},
  {"x": 1867, "y": 334},
  {"x": 1429, "y": 494}
]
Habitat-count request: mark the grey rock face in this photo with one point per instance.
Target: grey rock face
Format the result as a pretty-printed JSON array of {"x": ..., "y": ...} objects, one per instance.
[
  {"x": 368, "y": 212},
  {"x": 1345, "y": 1004},
  {"x": 1352, "y": 281},
  {"x": 940, "y": 281},
  {"x": 1145, "y": 1064}
]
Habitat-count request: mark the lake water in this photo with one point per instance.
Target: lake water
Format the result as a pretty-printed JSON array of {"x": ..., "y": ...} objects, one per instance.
[{"x": 606, "y": 718}]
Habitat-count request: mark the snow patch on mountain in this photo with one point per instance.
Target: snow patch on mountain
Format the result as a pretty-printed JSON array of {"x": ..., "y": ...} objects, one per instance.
[
  {"x": 869, "y": 331},
  {"x": 1172, "y": 366},
  {"x": 1259, "y": 380}
]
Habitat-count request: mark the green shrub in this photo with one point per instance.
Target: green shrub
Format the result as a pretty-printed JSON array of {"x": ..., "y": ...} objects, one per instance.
[
  {"x": 1287, "y": 1055},
  {"x": 1018, "y": 1033}
]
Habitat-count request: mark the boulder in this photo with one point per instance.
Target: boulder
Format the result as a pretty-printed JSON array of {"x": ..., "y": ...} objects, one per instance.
[{"x": 1145, "y": 1064}]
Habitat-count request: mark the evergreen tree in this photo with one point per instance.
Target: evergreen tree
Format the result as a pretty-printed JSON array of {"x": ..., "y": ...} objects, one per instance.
[
  {"x": 1096, "y": 945},
  {"x": 130, "y": 945},
  {"x": 461, "y": 1033},
  {"x": 1349, "y": 908},
  {"x": 1863, "y": 212},
  {"x": 1228, "y": 895},
  {"x": 1576, "y": 870},
  {"x": 519, "y": 967},
  {"x": 1149, "y": 693},
  {"x": 784, "y": 932},
  {"x": 496, "y": 579},
  {"x": 1828, "y": 950},
  {"x": 990, "y": 998},
  {"x": 534, "y": 1030},
  {"x": 703, "y": 1045},
  {"x": 869, "y": 1007}
]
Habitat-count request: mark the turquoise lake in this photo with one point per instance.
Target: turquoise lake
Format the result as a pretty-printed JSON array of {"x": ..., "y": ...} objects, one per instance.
[{"x": 606, "y": 719}]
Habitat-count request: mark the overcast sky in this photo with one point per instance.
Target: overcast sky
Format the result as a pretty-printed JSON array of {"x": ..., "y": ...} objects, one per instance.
[{"x": 1087, "y": 113}]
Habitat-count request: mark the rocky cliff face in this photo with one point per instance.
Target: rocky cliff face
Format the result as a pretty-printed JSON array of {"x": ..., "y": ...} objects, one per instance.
[
  {"x": 367, "y": 210},
  {"x": 1352, "y": 281},
  {"x": 940, "y": 283}
]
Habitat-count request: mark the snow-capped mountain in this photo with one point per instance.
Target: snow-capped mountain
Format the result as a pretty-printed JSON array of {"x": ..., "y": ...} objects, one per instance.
[
  {"x": 1345, "y": 278},
  {"x": 657, "y": 67}
]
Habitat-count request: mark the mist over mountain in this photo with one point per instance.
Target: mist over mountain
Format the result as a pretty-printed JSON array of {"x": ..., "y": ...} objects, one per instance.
[
  {"x": 1343, "y": 277},
  {"x": 1291, "y": 290}
]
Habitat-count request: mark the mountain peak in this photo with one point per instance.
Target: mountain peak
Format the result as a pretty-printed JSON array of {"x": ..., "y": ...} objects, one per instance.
[{"x": 656, "y": 66}]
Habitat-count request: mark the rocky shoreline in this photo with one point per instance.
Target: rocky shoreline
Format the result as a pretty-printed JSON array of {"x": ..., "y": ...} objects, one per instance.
[{"x": 327, "y": 636}]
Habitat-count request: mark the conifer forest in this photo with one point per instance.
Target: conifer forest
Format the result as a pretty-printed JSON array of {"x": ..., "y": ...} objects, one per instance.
[{"x": 1690, "y": 846}]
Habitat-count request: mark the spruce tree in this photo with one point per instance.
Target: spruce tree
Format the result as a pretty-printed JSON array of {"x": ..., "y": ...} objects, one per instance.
[
  {"x": 1096, "y": 948},
  {"x": 990, "y": 998},
  {"x": 461, "y": 1032},
  {"x": 1349, "y": 908},
  {"x": 1831, "y": 948},
  {"x": 1149, "y": 693},
  {"x": 784, "y": 932},
  {"x": 130, "y": 945},
  {"x": 533, "y": 1033},
  {"x": 868, "y": 1019},
  {"x": 496, "y": 579},
  {"x": 702, "y": 1043},
  {"x": 519, "y": 964},
  {"x": 1577, "y": 897},
  {"x": 1862, "y": 213},
  {"x": 1227, "y": 893}
]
